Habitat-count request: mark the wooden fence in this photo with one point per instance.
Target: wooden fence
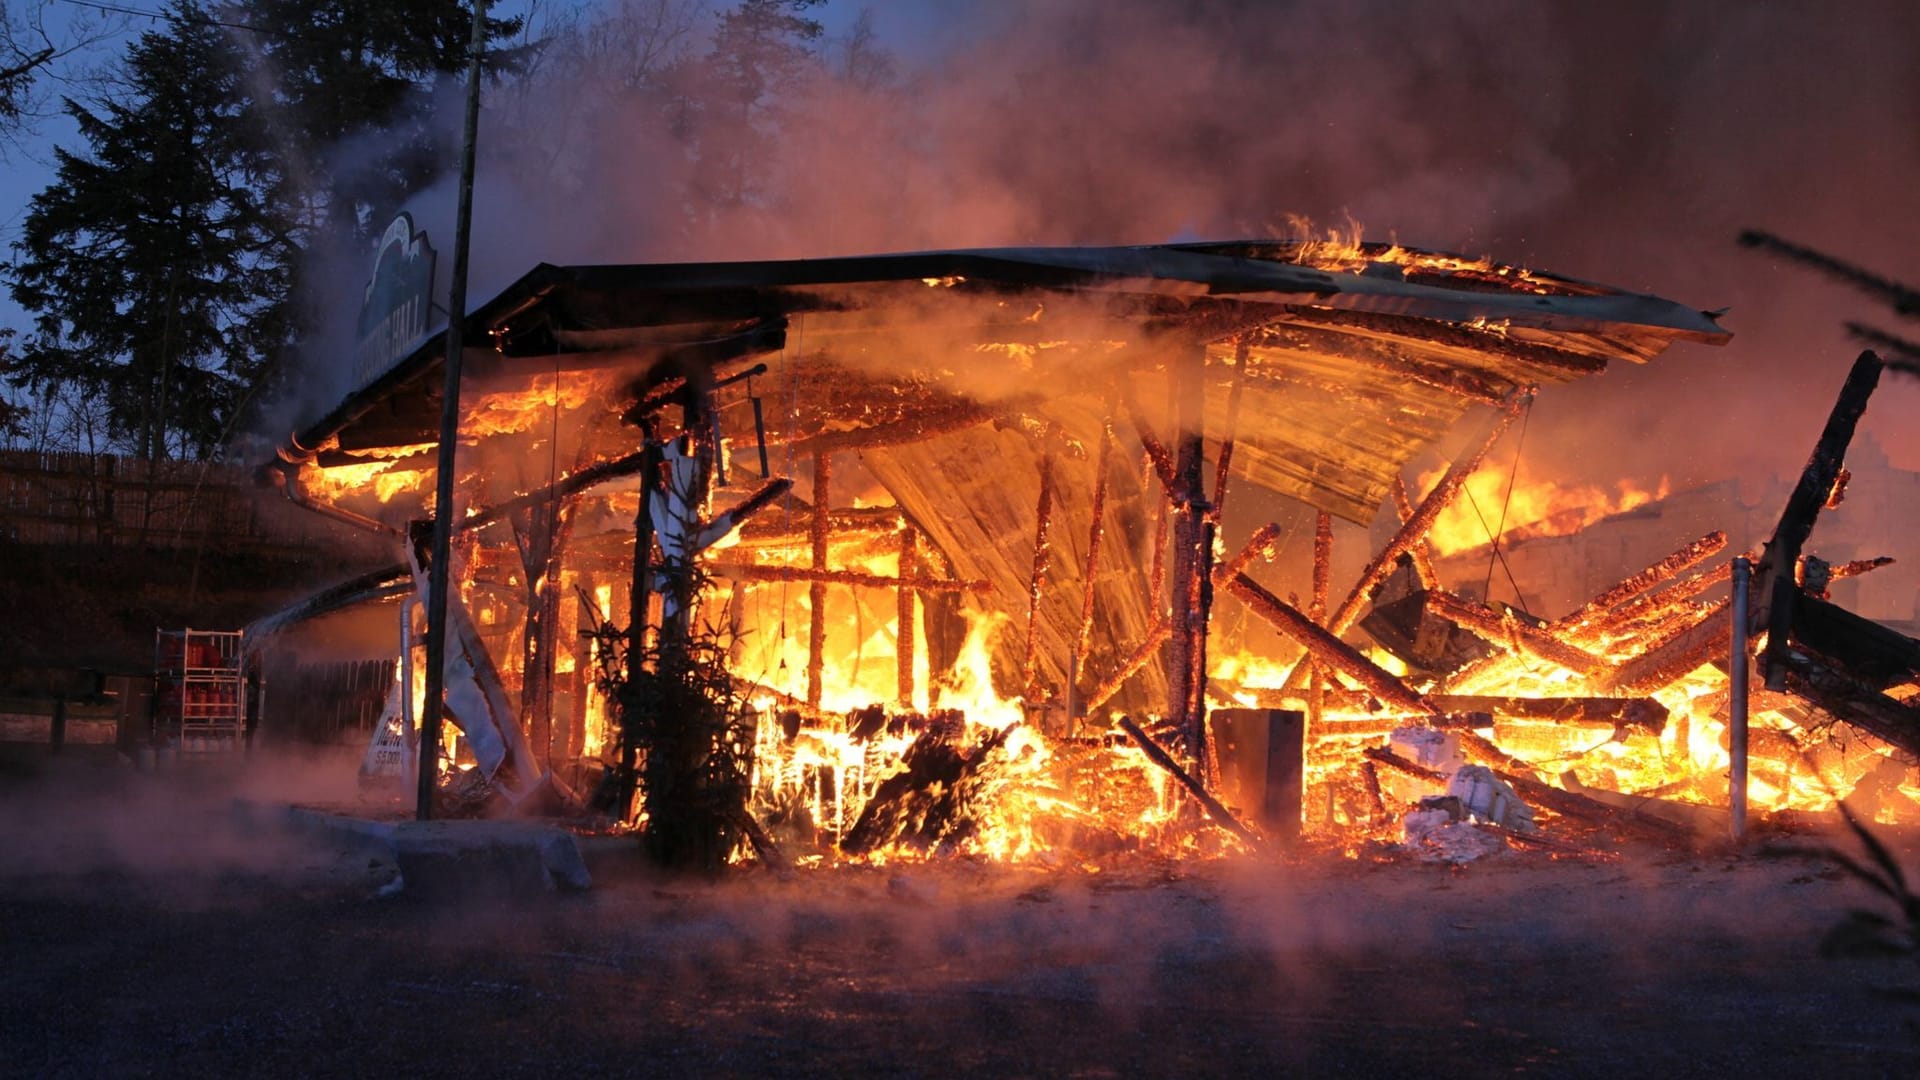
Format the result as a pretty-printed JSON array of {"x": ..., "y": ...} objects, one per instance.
[{"x": 104, "y": 500}]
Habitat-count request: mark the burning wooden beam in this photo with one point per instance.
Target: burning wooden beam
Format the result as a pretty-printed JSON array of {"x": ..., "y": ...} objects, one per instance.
[
  {"x": 1421, "y": 550},
  {"x": 1376, "y": 354},
  {"x": 921, "y": 428},
  {"x": 1595, "y": 611},
  {"x": 817, "y": 590},
  {"x": 855, "y": 578},
  {"x": 905, "y": 618},
  {"x": 1323, "y": 646},
  {"x": 1221, "y": 815},
  {"x": 1223, "y": 468},
  {"x": 1042, "y": 556},
  {"x": 1148, "y": 648},
  {"x": 1417, "y": 526},
  {"x": 1562, "y": 362},
  {"x": 1702, "y": 643}
]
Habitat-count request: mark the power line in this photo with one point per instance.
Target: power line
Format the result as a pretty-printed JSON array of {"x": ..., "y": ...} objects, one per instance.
[{"x": 159, "y": 16}]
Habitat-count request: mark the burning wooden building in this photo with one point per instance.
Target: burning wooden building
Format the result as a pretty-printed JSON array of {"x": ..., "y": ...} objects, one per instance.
[{"x": 954, "y": 527}]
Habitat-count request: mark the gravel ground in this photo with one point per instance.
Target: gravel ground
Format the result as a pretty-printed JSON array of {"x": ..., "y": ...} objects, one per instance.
[{"x": 146, "y": 933}]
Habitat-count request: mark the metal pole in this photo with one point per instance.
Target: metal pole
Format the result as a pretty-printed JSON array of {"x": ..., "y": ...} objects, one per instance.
[
  {"x": 442, "y": 552},
  {"x": 1737, "y": 699}
]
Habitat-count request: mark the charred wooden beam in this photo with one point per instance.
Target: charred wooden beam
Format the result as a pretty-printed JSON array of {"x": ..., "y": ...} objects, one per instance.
[
  {"x": 1417, "y": 526},
  {"x": 1636, "y": 616},
  {"x": 854, "y": 578},
  {"x": 1666, "y": 569},
  {"x": 1858, "y": 703},
  {"x": 1317, "y": 611},
  {"x": 1096, "y": 531},
  {"x": 1189, "y": 598},
  {"x": 1259, "y": 546},
  {"x": 1870, "y": 652},
  {"x": 1220, "y": 815},
  {"x": 572, "y": 485},
  {"x": 1157, "y": 453},
  {"x": 1702, "y": 643},
  {"x": 1774, "y": 586},
  {"x": 1328, "y": 649},
  {"x": 1421, "y": 550},
  {"x": 1642, "y": 713},
  {"x": 874, "y": 520},
  {"x": 1503, "y": 628},
  {"x": 1379, "y": 727}
]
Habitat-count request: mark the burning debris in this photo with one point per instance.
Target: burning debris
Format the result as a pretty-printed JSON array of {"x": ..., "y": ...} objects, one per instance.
[{"x": 940, "y": 536}]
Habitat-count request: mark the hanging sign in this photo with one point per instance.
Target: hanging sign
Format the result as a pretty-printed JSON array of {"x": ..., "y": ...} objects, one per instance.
[{"x": 393, "y": 314}]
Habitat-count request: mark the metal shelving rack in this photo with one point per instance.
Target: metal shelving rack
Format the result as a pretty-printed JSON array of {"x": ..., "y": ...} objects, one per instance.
[{"x": 200, "y": 693}]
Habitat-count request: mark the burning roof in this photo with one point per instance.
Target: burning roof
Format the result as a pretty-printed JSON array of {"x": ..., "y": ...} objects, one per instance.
[{"x": 1357, "y": 357}]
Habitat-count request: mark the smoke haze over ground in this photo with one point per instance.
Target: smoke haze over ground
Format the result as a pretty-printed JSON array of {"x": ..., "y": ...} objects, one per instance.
[
  {"x": 147, "y": 932},
  {"x": 1624, "y": 143}
]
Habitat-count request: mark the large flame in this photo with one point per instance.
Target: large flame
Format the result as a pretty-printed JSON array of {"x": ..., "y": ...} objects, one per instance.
[{"x": 1536, "y": 507}]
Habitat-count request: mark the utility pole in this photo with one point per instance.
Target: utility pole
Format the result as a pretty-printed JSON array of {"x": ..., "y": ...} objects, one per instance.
[{"x": 442, "y": 551}]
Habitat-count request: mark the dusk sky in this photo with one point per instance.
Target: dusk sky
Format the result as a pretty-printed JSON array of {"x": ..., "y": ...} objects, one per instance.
[{"x": 1627, "y": 144}]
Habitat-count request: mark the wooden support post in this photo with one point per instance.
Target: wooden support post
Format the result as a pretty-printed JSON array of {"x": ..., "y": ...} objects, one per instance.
[
  {"x": 1737, "y": 662},
  {"x": 817, "y": 591},
  {"x": 905, "y": 617},
  {"x": 1317, "y": 611},
  {"x": 540, "y": 532},
  {"x": 1192, "y": 557},
  {"x": 639, "y": 601}
]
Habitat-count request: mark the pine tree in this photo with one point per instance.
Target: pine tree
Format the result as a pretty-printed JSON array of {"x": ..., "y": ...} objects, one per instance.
[
  {"x": 147, "y": 261},
  {"x": 760, "y": 49},
  {"x": 348, "y": 85}
]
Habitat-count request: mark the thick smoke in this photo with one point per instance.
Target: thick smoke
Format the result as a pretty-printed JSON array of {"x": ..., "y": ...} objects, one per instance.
[{"x": 1621, "y": 143}]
